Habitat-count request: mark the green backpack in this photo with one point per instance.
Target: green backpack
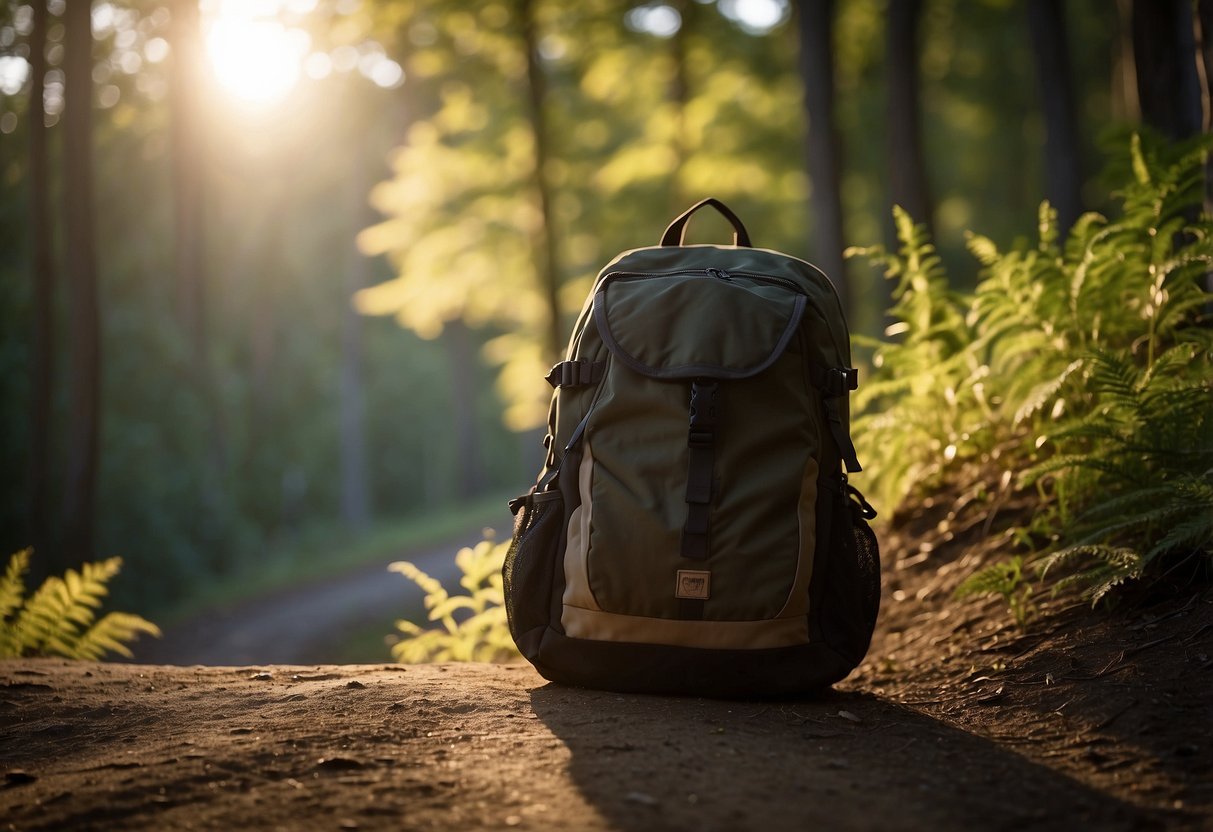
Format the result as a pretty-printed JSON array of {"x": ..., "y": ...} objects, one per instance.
[{"x": 692, "y": 529}]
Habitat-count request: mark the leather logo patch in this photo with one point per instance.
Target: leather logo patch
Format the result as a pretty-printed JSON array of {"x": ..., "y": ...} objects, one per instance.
[{"x": 694, "y": 584}]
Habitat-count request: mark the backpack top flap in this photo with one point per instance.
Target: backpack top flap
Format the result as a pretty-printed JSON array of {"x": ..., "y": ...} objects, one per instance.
[{"x": 697, "y": 323}]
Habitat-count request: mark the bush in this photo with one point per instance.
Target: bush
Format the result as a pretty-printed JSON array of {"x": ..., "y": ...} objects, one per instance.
[
  {"x": 1081, "y": 369},
  {"x": 473, "y": 626}
]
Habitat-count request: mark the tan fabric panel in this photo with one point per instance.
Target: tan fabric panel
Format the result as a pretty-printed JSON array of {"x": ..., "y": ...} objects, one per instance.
[
  {"x": 576, "y": 551},
  {"x": 722, "y": 635},
  {"x": 797, "y": 604}
]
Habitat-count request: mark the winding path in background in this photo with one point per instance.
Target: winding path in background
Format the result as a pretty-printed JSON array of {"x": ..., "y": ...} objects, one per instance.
[{"x": 304, "y": 624}]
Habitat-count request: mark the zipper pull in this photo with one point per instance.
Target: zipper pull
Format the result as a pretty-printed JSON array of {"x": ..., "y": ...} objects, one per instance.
[{"x": 720, "y": 274}]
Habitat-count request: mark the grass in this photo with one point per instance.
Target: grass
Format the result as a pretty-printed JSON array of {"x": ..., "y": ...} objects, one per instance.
[{"x": 327, "y": 550}]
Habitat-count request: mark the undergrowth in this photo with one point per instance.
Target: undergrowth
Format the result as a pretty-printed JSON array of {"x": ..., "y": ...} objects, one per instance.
[
  {"x": 1081, "y": 369},
  {"x": 60, "y": 618},
  {"x": 472, "y": 627}
]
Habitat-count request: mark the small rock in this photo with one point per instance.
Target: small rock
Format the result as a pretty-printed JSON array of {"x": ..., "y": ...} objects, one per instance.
[
  {"x": 263, "y": 676},
  {"x": 338, "y": 764},
  {"x": 641, "y": 798},
  {"x": 837, "y": 763},
  {"x": 850, "y": 717},
  {"x": 355, "y": 685},
  {"x": 241, "y": 730},
  {"x": 18, "y": 777},
  {"x": 347, "y": 823}
]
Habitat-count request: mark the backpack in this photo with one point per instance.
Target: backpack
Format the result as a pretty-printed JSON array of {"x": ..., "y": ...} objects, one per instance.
[{"x": 692, "y": 529}]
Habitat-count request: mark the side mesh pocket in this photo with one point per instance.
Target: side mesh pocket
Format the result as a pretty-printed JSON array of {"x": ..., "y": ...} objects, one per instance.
[
  {"x": 527, "y": 573},
  {"x": 866, "y": 552},
  {"x": 852, "y": 595}
]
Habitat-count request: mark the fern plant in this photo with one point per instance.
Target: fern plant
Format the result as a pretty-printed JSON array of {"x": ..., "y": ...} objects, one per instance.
[
  {"x": 1136, "y": 482},
  {"x": 1082, "y": 369},
  {"x": 920, "y": 401},
  {"x": 472, "y": 627},
  {"x": 1007, "y": 580},
  {"x": 60, "y": 618}
]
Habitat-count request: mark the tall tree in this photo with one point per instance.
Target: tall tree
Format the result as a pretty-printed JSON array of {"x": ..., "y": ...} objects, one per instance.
[
  {"x": 908, "y": 186},
  {"x": 1063, "y": 162},
  {"x": 469, "y": 449},
  {"x": 1204, "y": 20},
  {"x": 545, "y": 246},
  {"x": 815, "y": 19},
  {"x": 1164, "y": 50},
  {"x": 680, "y": 95},
  {"x": 188, "y": 150},
  {"x": 42, "y": 360},
  {"x": 84, "y": 344},
  {"x": 351, "y": 404}
]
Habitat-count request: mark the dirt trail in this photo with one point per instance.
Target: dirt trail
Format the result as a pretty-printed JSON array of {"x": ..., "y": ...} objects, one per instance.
[
  {"x": 305, "y": 624},
  {"x": 956, "y": 720},
  {"x": 87, "y": 746}
]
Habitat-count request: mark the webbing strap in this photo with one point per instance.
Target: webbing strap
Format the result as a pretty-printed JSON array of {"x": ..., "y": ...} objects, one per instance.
[
  {"x": 701, "y": 442},
  {"x": 576, "y": 373},
  {"x": 841, "y": 438},
  {"x": 834, "y": 383}
]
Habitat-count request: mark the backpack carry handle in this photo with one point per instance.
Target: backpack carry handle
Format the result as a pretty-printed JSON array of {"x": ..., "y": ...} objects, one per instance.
[{"x": 676, "y": 232}]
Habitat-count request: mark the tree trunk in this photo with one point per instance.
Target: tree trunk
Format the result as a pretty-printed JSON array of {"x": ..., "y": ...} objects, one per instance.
[
  {"x": 42, "y": 279},
  {"x": 1164, "y": 49},
  {"x": 84, "y": 346},
  {"x": 355, "y": 482},
  {"x": 1063, "y": 162},
  {"x": 545, "y": 246},
  {"x": 815, "y": 21},
  {"x": 680, "y": 94},
  {"x": 907, "y": 171},
  {"x": 187, "y": 159},
  {"x": 1204, "y": 18},
  {"x": 469, "y": 449}
]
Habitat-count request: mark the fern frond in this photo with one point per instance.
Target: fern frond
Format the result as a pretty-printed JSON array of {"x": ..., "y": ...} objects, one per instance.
[
  {"x": 111, "y": 633},
  {"x": 482, "y": 634},
  {"x": 999, "y": 578},
  {"x": 59, "y": 618},
  {"x": 1118, "y": 558},
  {"x": 12, "y": 585},
  {"x": 1193, "y": 534},
  {"x": 432, "y": 587}
]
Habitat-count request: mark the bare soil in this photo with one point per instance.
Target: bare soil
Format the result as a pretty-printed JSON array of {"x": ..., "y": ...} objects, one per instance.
[{"x": 955, "y": 721}]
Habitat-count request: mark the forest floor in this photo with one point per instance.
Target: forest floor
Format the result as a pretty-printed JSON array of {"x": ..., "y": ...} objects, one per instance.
[{"x": 956, "y": 720}]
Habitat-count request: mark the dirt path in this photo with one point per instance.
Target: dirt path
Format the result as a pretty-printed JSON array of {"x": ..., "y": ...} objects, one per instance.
[
  {"x": 956, "y": 720},
  {"x": 304, "y": 624},
  {"x": 86, "y": 746}
]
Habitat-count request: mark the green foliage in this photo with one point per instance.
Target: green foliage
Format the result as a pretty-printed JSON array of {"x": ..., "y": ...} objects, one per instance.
[
  {"x": 473, "y": 626},
  {"x": 204, "y": 469},
  {"x": 60, "y": 618},
  {"x": 1006, "y": 579},
  {"x": 1084, "y": 368},
  {"x": 1138, "y": 468}
]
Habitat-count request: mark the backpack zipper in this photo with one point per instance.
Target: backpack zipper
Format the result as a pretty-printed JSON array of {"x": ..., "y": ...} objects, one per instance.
[{"x": 727, "y": 276}]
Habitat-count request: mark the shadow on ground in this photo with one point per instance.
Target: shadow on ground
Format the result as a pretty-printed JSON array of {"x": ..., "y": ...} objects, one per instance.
[{"x": 844, "y": 761}]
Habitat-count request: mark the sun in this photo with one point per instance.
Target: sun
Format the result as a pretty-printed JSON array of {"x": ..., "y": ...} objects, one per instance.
[{"x": 256, "y": 60}]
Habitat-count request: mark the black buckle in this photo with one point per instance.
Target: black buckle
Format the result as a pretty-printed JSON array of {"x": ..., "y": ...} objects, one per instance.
[
  {"x": 840, "y": 380},
  {"x": 703, "y": 406}
]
